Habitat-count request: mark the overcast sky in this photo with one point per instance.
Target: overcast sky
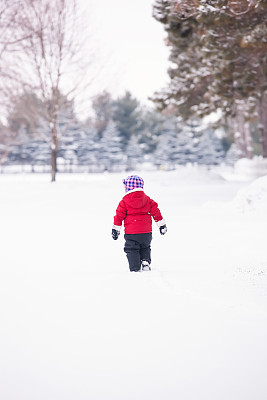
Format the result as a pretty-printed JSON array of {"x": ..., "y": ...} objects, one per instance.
[{"x": 132, "y": 43}]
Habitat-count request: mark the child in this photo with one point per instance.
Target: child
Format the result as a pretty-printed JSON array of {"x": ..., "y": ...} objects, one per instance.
[{"x": 136, "y": 210}]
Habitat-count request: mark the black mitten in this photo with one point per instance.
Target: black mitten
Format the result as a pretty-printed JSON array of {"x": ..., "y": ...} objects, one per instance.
[
  {"x": 163, "y": 229},
  {"x": 115, "y": 234}
]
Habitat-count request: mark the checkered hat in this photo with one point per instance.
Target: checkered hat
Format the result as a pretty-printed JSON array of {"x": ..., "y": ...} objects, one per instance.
[{"x": 133, "y": 182}]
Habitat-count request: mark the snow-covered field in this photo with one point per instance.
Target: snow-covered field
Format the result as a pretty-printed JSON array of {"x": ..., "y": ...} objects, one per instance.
[{"x": 75, "y": 324}]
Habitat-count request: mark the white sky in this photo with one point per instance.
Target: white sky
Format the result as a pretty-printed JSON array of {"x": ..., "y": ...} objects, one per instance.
[{"x": 132, "y": 47}]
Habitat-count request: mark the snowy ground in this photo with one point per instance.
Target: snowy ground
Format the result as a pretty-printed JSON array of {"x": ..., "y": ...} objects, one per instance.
[{"x": 76, "y": 325}]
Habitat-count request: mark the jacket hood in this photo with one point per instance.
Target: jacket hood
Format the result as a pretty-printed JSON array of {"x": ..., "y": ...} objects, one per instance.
[{"x": 136, "y": 198}]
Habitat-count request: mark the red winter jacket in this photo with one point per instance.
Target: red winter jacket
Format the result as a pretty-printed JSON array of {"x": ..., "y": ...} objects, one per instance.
[{"x": 136, "y": 210}]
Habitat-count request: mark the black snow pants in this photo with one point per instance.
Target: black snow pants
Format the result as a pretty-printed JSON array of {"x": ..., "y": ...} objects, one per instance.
[{"x": 137, "y": 248}]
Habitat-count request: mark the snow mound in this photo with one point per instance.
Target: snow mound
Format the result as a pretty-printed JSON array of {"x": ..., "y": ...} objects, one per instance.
[
  {"x": 252, "y": 169},
  {"x": 252, "y": 197}
]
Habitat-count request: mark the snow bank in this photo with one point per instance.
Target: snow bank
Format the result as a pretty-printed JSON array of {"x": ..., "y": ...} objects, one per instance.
[
  {"x": 250, "y": 169},
  {"x": 240, "y": 226},
  {"x": 253, "y": 197}
]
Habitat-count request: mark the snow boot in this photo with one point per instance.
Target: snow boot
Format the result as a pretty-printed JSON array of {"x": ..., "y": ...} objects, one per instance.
[{"x": 145, "y": 266}]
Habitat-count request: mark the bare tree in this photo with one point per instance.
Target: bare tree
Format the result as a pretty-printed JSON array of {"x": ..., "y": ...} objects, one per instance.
[
  {"x": 8, "y": 43},
  {"x": 7, "y": 139},
  {"x": 6, "y": 19},
  {"x": 52, "y": 61}
]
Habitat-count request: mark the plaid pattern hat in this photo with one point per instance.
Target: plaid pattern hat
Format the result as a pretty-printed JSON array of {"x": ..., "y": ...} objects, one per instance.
[{"x": 133, "y": 182}]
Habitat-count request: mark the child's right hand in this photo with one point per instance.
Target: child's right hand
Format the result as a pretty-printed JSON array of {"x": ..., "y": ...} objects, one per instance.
[{"x": 115, "y": 234}]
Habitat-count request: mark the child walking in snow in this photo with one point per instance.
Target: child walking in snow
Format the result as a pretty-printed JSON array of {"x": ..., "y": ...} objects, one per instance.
[{"x": 136, "y": 209}]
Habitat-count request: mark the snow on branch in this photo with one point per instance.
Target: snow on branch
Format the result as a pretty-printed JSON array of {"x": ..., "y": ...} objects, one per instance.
[
  {"x": 239, "y": 7},
  {"x": 184, "y": 9}
]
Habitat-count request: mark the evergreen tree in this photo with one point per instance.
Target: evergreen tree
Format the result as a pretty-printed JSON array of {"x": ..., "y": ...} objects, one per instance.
[
  {"x": 110, "y": 154},
  {"x": 209, "y": 149},
  {"x": 69, "y": 132},
  {"x": 180, "y": 144},
  {"x": 134, "y": 153},
  {"x": 167, "y": 152},
  {"x": 152, "y": 125},
  {"x": 87, "y": 150},
  {"x": 219, "y": 49},
  {"x": 189, "y": 77},
  {"x": 127, "y": 116}
]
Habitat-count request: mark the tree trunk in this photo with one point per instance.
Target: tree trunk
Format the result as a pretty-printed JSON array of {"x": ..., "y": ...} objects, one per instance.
[
  {"x": 263, "y": 123},
  {"x": 53, "y": 165},
  {"x": 248, "y": 140},
  {"x": 54, "y": 147},
  {"x": 242, "y": 132}
]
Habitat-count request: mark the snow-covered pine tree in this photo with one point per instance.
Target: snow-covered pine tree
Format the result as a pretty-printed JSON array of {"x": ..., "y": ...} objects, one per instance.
[
  {"x": 152, "y": 122},
  {"x": 219, "y": 51},
  {"x": 110, "y": 150},
  {"x": 209, "y": 149},
  {"x": 181, "y": 144},
  {"x": 127, "y": 116},
  {"x": 166, "y": 148},
  {"x": 87, "y": 149},
  {"x": 134, "y": 153},
  {"x": 176, "y": 145},
  {"x": 69, "y": 134}
]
